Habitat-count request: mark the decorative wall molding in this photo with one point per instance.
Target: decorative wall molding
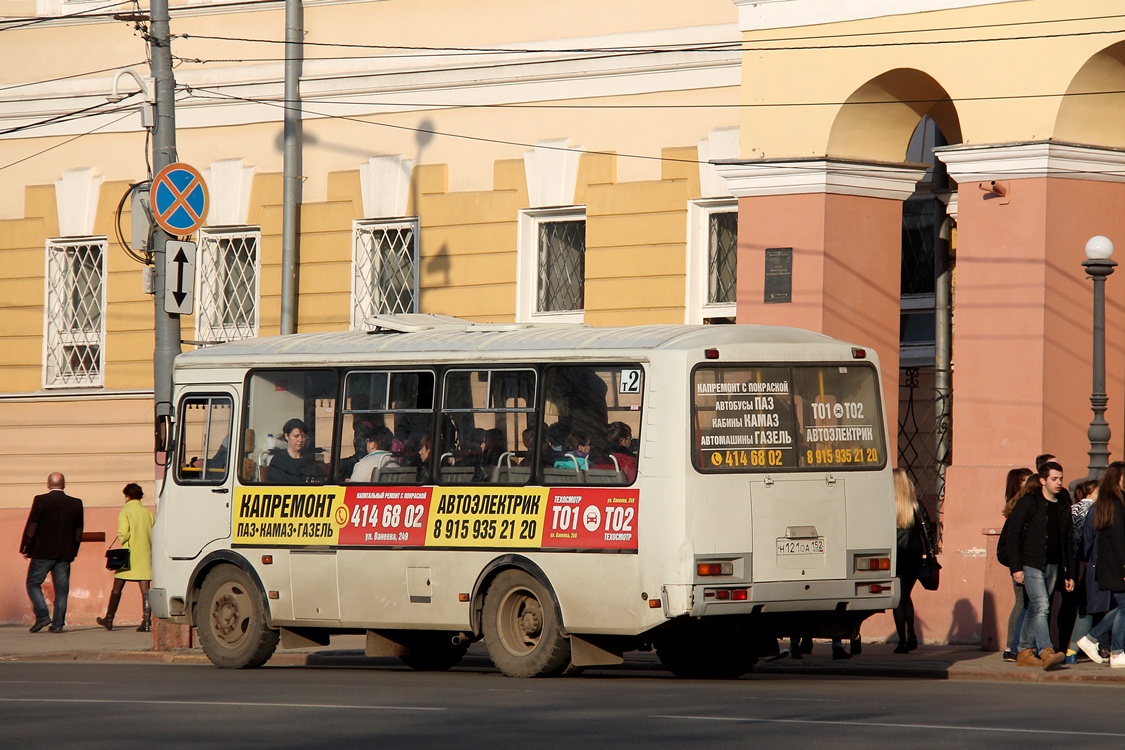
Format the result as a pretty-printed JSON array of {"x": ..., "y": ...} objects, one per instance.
[
  {"x": 720, "y": 144},
  {"x": 837, "y": 177},
  {"x": 76, "y": 200},
  {"x": 552, "y": 173},
  {"x": 384, "y": 183},
  {"x": 1014, "y": 161},
  {"x": 228, "y": 188}
]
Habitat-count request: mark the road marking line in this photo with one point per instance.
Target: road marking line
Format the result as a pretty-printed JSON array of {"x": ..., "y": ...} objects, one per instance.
[
  {"x": 893, "y": 725},
  {"x": 237, "y": 704}
]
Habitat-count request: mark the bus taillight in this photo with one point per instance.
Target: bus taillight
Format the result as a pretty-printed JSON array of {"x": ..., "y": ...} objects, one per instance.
[
  {"x": 872, "y": 563},
  {"x": 859, "y": 353},
  {"x": 714, "y": 569}
]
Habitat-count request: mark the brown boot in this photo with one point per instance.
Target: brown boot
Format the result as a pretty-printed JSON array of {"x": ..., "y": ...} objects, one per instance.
[
  {"x": 1050, "y": 659},
  {"x": 1027, "y": 658}
]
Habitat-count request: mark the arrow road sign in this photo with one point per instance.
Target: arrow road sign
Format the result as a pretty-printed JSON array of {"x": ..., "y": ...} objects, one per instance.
[
  {"x": 179, "y": 199},
  {"x": 179, "y": 277}
]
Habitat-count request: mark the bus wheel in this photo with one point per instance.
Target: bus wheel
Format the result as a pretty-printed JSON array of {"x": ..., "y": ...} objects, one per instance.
[
  {"x": 697, "y": 656},
  {"x": 231, "y": 620},
  {"x": 521, "y": 629},
  {"x": 435, "y": 653}
]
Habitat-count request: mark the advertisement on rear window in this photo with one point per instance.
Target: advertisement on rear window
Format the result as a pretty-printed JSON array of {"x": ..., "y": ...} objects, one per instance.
[
  {"x": 468, "y": 517},
  {"x": 748, "y": 419}
]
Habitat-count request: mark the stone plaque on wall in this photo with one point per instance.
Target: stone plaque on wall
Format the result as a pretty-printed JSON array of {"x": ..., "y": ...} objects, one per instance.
[{"x": 779, "y": 274}]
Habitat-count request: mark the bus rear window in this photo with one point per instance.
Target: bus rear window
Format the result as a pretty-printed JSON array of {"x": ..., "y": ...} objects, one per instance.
[{"x": 748, "y": 418}]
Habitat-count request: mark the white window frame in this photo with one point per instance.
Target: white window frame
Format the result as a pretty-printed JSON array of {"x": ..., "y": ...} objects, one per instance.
[
  {"x": 56, "y": 338},
  {"x": 698, "y": 309},
  {"x": 207, "y": 329},
  {"x": 362, "y": 306},
  {"x": 527, "y": 265}
]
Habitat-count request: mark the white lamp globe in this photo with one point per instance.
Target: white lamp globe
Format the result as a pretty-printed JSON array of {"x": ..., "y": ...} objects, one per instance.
[{"x": 1099, "y": 248}]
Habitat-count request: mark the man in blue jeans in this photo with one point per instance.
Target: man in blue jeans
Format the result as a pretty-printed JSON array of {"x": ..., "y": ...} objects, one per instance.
[
  {"x": 1040, "y": 548},
  {"x": 50, "y": 540}
]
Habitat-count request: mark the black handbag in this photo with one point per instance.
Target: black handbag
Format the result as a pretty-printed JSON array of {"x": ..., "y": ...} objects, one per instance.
[
  {"x": 117, "y": 559},
  {"x": 929, "y": 573}
]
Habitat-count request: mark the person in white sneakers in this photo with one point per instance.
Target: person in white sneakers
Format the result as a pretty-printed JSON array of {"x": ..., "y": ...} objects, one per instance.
[{"x": 1109, "y": 520}]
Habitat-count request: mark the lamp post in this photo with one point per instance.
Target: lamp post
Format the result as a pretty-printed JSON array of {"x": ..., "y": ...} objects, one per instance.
[{"x": 1099, "y": 264}]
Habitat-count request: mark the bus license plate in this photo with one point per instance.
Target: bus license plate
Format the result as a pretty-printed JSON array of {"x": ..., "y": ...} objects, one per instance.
[{"x": 786, "y": 547}]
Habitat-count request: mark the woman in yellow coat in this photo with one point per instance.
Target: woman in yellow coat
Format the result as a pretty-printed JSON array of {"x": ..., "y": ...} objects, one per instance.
[{"x": 134, "y": 531}]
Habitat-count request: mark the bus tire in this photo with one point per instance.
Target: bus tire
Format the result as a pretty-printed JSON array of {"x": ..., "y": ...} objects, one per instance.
[
  {"x": 231, "y": 620},
  {"x": 521, "y": 629},
  {"x": 698, "y": 656},
  {"x": 436, "y": 653}
]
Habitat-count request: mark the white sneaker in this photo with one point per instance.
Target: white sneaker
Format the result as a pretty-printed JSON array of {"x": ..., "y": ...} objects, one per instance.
[
  {"x": 1117, "y": 661},
  {"x": 1091, "y": 650}
]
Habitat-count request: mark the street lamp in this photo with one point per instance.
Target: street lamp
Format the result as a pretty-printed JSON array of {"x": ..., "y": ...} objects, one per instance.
[{"x": 1099, "y": 264}]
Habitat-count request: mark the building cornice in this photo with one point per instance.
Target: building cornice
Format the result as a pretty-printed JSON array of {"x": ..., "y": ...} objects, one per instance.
[
  {"x": 832, "y": 176},
  {"x": 1015, "y": 161},
  {"x": 756, "y": 15}
]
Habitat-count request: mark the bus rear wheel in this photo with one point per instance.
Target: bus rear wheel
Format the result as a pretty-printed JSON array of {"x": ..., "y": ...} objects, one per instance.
[
  {"x": 521, "y": 628},
  {"x": 231, "y": 620}
]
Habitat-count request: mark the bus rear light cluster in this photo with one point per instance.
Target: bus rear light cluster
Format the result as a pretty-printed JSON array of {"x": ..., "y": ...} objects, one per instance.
[
  {"x": 704, "y": 569},
  {"x": 872, "y": 563},
  {"x": 727, "y": 595},
  {"x": 878, "y": 588}
]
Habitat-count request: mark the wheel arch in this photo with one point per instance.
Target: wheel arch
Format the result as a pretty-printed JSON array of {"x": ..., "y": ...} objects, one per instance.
[
  {"x": 495, "y": 568},
  {"x": 214, "y": 560}
]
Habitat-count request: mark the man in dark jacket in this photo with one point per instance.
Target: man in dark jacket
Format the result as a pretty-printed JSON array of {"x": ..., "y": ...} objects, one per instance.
[
  {"x": 50, "y": 539},
  {"x": 1040, "y": 548}
]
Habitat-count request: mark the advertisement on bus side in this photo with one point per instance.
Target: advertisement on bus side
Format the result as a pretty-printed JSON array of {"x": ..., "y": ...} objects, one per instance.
[{"x": 461, "y": 517}]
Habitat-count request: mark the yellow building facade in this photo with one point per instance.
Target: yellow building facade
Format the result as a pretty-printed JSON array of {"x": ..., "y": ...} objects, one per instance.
[{"x": 450, "y": 150}]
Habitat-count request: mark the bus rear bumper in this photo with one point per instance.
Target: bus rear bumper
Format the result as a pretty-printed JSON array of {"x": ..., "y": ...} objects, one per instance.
[{"x": 848, "y": 595}]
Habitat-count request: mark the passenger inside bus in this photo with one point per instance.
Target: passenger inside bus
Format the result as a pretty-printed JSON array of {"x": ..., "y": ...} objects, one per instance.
[
  {"x": 494, "y": 447},
  {"x": 576, "y": 450},
  {"x": 295, "y": 463},
  {"x": 378, "y": 442},
  {"x": 617, "y": 453}
]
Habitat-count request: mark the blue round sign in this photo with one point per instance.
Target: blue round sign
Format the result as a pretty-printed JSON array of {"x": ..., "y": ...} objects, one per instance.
[{"x": 179, "y": 199}]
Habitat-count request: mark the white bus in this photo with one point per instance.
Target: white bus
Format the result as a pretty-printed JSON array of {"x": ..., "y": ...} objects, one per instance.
[{"x": 566, "y": 493}]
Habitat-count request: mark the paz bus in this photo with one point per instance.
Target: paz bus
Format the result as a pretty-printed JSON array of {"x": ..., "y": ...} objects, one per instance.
[{"x": 565, "y": 493}]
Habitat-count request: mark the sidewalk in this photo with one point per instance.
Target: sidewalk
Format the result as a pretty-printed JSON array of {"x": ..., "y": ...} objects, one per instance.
[{"x": 92, "y": 643}]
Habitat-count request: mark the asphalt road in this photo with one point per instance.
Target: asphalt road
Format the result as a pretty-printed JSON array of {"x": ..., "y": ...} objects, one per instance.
[{"x": 116, "y": 706}]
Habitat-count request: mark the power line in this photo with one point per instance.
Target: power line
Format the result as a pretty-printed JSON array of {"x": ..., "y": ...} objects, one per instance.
[
  {"x": 22, "y": 23},
  {"x": 66, "y": 78},
  {"x": 68, "y": 140}
]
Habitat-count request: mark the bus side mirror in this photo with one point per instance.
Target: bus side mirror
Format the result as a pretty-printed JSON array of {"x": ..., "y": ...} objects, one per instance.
[{"x": 162, "y": 435}]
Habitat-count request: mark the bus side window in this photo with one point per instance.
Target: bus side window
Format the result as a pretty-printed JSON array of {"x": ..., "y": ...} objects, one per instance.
[
  {"x": 203, "y": 449},
  {"x": 398, "y": 402},
  {"x": 593, "y": 420},
  {"x": 484, "y": 413},
  {"x": 275, "y": 398}
]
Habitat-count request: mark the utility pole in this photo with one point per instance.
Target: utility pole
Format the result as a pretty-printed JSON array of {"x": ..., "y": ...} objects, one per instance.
[
  {"x": 290, "y": 233},
  {"x": 166, "y": 328}
]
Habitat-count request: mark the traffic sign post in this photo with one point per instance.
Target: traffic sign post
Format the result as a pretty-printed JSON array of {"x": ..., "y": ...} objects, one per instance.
[
  {"x": 179, "y": 199},
  {"x": 179, "y": 277}
]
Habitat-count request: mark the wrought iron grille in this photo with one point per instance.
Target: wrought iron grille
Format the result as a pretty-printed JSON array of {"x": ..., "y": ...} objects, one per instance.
[
  {"x": 722, "y": 256},
  {"x": 562, "y": 266},
  {"x": 923, "y": 436},
  {"x": 228, "y": 285},
  {"x": 75, "y": 303},
  {"x": 384, "y": 266}
]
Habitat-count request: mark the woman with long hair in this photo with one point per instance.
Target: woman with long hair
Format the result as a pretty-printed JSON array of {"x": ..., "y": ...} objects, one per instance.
[
  {"x": 909, "y": 559},
  {"x": 134, "y": 530},
  {"x": 1109, "y": 520},
  {"x": 1015, "y": 487}
]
